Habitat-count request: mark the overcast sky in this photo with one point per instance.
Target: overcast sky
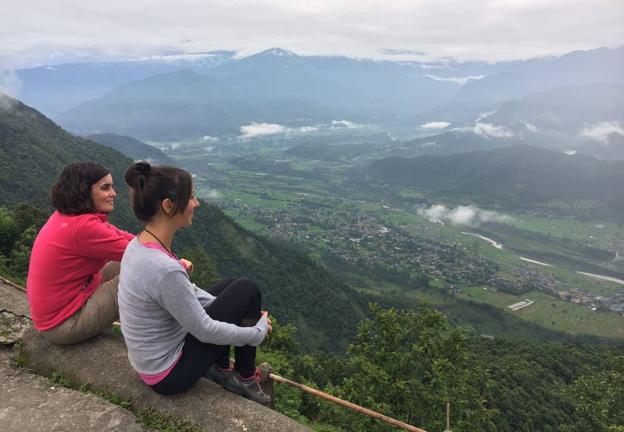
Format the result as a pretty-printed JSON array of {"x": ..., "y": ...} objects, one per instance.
[{"x": 48, "y": 32}]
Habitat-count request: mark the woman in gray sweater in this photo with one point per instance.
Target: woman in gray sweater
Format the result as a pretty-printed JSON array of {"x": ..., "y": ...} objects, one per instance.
[{"x": 175, "y": 332}]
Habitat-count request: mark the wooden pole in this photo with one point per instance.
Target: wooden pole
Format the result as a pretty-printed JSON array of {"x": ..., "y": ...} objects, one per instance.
[
  {"x": 12, "y": 284},
  {"x": 346, "y": 404},
  {"x": 448, "y": 417}
]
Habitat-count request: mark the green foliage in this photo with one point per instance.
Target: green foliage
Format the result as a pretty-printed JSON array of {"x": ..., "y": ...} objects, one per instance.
[
  {"x": 205, "y": 271},
  {"x": 408, "y": 365},
  {"x": 59, "y": 378},
  {"x": 598, "y": 398},
  {"x": 18, "y": 228},
  {"x": 8, "y": 231}
]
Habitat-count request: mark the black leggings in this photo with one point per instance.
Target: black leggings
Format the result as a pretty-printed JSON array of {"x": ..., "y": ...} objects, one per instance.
[{"x": 237, "y": 302}]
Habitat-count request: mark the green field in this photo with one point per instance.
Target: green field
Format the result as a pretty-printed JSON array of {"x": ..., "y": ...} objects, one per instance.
[{"x": 553, "y": 313}]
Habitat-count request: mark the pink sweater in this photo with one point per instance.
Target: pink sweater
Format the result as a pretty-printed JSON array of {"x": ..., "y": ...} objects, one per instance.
[{"x": 66, "y": 263}]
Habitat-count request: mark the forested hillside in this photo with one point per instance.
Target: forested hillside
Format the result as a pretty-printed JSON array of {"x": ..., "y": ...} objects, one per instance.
[
  {"x": 514, "y": 177},
  {"x": 131, "y": 147}
]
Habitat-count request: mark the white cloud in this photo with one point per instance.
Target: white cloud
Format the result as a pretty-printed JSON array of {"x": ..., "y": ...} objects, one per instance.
[
  {"x": 600, "y": 132},
  {"x": 435, "y": 125},
  {"x": 531, "y": 127},
  {"x": 489, "y": 130},
  {"x": 461, "y": 215},
  {"x": 570, "y": 152},
  {"x": 344, "y": 124},
  {"x": 260, "y": 129},
  {"x": 306, "y": 129},
  {"x": 484, "y": 115},
  {"x": 479, "y": 29},
  {"x": 457, "y": 80},
  {"x": 209, "y": 138},
  {"x": 214, "y": 194},
  {"x": 5, "y": 102},
  {"x": 10, "y": 83}
]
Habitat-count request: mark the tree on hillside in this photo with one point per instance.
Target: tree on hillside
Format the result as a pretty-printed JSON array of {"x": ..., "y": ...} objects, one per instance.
[
  {"x": 408, "y": 365},
  {"x": 598, "y": 399}
]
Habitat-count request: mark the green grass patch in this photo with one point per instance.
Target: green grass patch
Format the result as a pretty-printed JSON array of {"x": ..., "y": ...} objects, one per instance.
[{"x": 552, "y": 313}]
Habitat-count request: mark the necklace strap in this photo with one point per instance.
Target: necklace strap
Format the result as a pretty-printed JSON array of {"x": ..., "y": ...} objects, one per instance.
[{"x": 159, "y": 241}]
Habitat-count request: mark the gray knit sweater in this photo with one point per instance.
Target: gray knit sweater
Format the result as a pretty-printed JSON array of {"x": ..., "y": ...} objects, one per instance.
[{"x": 158, "y": 306}]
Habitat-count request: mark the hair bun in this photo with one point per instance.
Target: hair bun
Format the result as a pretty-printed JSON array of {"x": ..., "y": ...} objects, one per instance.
[
  {"x": 142, "y": 167},
  {"x": 136, "y": 174}
]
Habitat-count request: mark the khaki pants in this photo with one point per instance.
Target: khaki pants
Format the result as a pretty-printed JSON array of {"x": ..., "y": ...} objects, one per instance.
[{"x": 97, "y": 314}]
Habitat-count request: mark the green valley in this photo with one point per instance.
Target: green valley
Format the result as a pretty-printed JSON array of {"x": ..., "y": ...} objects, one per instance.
[{"x": 379, "y": 238}]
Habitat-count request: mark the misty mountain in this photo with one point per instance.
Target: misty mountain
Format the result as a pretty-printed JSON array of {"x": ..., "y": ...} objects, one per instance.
[
  {"x": 585, "y": 119},
  {"x": 58, "y": 88},
  {"x": 516, "y": 177},
  {"x": 454, "y": 141},
  {"x": 162, "y": 107},
  {"x": 275, "y": 86},
  {"x": 55, "y": 89},
  {"x": 183, "y": 104},
  {"x": 362, "y": 89},
  {"x": 563, "y": 117},
  {"x": 33, "y": 151},
  {"x": 133, "y": 148},
  {"x": 601, "y": 65}
]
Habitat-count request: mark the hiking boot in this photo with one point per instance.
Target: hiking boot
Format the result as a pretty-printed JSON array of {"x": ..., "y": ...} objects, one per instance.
[
  {"x": 218, "y": 374},
  {"x": 248, "y": 387}
]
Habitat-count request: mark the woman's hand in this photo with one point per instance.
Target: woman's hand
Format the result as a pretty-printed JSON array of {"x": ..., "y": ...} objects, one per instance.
[
  {"x": 266, "y": 314},
  {"x": 188, "y": 265}
]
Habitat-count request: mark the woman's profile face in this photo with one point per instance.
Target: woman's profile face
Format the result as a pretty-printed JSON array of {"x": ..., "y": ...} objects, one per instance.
[
  {"x": 103, "y": 195},
  {"x": 186, "y": 216}
]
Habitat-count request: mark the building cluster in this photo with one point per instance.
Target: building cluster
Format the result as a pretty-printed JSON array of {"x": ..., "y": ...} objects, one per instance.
[{"x": 363, "y": 240}]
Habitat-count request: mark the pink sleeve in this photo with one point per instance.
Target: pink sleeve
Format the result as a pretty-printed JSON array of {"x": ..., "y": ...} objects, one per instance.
[
  {"x": 101, "y": 240},
  {"x": 126, "y": 234}
]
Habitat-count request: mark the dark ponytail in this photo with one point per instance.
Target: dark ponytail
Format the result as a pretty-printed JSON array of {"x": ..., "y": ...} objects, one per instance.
[{"x": 150, "y": 185}]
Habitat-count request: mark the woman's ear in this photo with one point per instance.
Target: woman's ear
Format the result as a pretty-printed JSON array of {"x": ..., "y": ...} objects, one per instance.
[{"x": 167, "y": 207}]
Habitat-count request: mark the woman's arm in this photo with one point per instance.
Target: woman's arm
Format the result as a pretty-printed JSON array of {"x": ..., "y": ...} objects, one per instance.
[
  {"x": 98, "y": 239},
  {"x": 177, "y": 295}
]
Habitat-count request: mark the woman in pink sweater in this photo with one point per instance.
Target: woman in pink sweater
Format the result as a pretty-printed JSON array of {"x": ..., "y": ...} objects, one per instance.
[{"x": 74, "y": 265}]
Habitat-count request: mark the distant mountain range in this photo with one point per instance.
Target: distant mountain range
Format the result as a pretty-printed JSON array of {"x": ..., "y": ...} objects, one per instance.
[
  {"x": 516, "y": 177},
  {"x": 55, "y": 89},
  {"x": 601, "y": 65},
  {"x": 546, "y": 102}
]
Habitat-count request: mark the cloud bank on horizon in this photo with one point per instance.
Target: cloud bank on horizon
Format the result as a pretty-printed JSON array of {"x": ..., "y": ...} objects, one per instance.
[{"x": 50, "y": 33}]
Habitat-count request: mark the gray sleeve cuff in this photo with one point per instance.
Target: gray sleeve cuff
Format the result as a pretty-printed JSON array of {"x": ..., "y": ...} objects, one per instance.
[{"x": 262, "y": 327}]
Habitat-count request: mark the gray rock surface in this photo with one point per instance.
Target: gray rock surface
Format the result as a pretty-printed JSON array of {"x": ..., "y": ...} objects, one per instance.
[
  {"x": 29, "y": 402},
  {"x": 102, "y": 364}
]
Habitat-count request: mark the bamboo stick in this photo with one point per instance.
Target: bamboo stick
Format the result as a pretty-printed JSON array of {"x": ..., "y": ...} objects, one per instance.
[
  {"x": 346, "y": 404},
  {"x": 12, "y": 284}
]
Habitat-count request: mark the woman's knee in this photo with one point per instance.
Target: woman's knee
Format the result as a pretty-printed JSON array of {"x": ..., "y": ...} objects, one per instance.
[
  {"x": 248, "y": 288},
  {"x": 110, "y": 270}
]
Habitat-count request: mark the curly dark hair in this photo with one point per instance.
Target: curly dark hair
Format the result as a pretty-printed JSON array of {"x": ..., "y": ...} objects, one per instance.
[
  {"x": 150, "y": 185},
  {"x": 71, "y": 194}
]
